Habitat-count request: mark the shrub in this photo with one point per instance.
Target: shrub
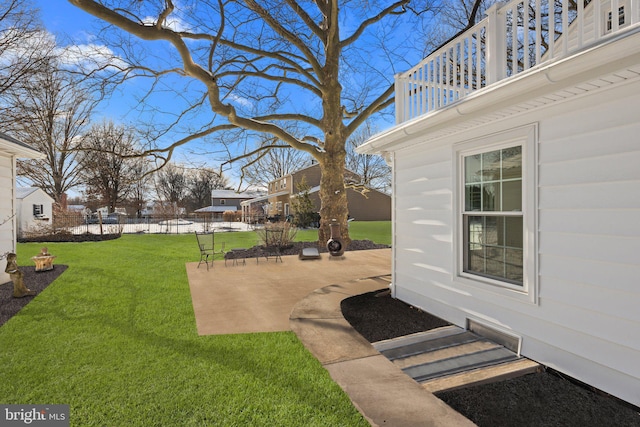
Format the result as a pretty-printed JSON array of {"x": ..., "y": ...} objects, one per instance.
[
  {"x": 302, "y": 206},
  {"x": 280, "y": 234},
  {"x": 228, "y": 216}
]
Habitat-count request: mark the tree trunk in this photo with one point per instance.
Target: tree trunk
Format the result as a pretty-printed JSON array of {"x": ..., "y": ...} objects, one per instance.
[
  {"x": 333, "y": 195},
  {"x": 333, "y": 199}
]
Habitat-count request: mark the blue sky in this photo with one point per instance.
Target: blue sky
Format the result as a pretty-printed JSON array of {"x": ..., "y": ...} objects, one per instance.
[
  {"x": 70, "y": 25},
  {"x": 61, "y": 17}
]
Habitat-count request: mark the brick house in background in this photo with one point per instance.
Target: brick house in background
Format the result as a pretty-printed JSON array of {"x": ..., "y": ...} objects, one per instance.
[{"x": 374, "y": 206}]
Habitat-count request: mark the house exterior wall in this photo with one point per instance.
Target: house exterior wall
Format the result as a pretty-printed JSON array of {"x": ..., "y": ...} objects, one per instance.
[
  {"x": 589, "y": 33},
  {"x": 312, "y": 174},
  {"x": 580, "y": 314},
  {"x": 374, "y": 206},
  {"x": 25, "y": 218},
  {"x": 7, "y": 230},
  {"x": 228, "y": 202}
]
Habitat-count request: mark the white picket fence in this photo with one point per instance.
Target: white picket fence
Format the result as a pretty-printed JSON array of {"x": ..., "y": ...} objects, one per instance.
[{"x": 512, "y": 38}]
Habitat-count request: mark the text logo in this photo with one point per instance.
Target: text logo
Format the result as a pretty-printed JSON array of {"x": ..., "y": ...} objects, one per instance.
[{"x": 34, "y": 415}]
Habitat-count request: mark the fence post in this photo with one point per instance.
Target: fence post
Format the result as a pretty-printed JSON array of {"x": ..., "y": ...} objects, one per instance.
[
  {"x": 399, "y": 88},
  {"x": 496, "y": 44}
]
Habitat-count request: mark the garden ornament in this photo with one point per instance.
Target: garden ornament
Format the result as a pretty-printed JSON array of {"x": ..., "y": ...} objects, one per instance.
[{"x": 19, "y": 289}]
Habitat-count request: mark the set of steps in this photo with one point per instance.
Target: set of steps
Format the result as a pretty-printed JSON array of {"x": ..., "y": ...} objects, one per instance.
[{"x": 451, "y": 357}]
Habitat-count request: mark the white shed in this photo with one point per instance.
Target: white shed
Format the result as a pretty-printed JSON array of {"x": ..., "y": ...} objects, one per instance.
[
  {"x": 516, "y": 205},
  {"x": 34, "y": 209},
  {"x": 10, "y": 150}
]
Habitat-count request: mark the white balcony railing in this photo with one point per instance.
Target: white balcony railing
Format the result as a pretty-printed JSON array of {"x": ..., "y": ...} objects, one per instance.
[{"x": 512, "y": 38}]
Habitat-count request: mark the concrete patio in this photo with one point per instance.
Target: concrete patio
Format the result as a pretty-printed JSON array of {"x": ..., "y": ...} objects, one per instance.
[
  {"x": 305, "y": 296},
  {"x": 259, "y": 296}
]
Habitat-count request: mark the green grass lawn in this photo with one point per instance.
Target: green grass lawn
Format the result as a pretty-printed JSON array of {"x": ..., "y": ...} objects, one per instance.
[{"x": 115, "y": 338}]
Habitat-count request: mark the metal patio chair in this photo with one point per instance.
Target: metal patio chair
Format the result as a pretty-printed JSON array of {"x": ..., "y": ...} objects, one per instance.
[
  {"x": 273, "y": 242},
  {"x": 206, "y": 243}
]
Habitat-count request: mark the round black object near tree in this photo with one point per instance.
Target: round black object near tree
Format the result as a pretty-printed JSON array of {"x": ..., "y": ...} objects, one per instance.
[{"x": 334, "y": 244}]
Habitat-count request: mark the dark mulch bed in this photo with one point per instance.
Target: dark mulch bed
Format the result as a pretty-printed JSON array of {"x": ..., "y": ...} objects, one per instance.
[
  {"x": 36, "y": 281},
  {"x": 67, "y": 237},
  {"x": 365, "y": 312},
  {"x": 296, "y": 247},
  {"x": 544, "y": 399}
]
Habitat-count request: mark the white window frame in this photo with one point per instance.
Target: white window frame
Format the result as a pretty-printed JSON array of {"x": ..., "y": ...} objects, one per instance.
[{"x": 526, "y": 137}]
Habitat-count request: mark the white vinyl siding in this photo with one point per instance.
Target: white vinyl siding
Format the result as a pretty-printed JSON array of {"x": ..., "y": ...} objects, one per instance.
[
  {"x": 7, "y": 231},
  {"x": 585, "y": 208}
]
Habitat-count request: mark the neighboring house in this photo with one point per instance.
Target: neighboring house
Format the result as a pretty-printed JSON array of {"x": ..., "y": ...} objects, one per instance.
[
  {"x": 10, "y": 150},
  {"x": 162, "y": 210},
  {"x": 516, "y": 187},
  {"x": 371, "y": 206},
  {"x": 224, "y": 201},
  {"x": 34, "y": 209}
]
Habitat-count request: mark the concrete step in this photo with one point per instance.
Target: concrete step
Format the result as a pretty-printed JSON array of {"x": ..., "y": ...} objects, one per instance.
[
  {"x": 486, "y": 375},
  {"x": 451, "y": 357}
]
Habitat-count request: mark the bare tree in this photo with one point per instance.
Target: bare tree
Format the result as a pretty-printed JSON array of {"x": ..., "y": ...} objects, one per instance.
[
  {"x": 140, "y": 188},
  {"x": 109, "y": 162},
  {"x": 265, "y": 166},
  {"x": 23, "y": 45},
  {"x": 200, "y": 184},
  {"x": 50, "y": 111},
  {"x": 172, "y": 184},
  {"x": 373, "y": 170},
  {"x": 325, "y": 65}
]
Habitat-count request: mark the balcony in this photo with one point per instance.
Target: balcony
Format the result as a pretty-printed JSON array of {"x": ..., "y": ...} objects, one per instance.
[{"x": 513, "y": 38}]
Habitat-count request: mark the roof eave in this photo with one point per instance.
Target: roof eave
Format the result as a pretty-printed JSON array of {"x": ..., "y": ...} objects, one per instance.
[
  {"x": 17, "y": 148},
  {"x": 598, "y": 60}
]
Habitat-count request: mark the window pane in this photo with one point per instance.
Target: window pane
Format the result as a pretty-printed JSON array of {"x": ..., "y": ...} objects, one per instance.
[
  {"x": 494, "y": 247},
  {"x": 494, "y": 261},
  {"x": 512, "y": 162},
  {"x": 514, "y": 269},
  {"x": 472, "y": 169},
  {"x": 476, "y": 260},
  {"x": 512, "y": 195},
  {"x": 491, "y": 197},
  {"x": 474, "y": 232},
  {"x": 513, "y": 232},
  {"x": 492, "y": 232},
  {"x": 491, "y": 166},
  {"x": 473, "y": 198}
]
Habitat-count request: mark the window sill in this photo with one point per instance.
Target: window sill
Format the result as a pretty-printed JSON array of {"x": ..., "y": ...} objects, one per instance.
[{"x": 525, "y": 293}]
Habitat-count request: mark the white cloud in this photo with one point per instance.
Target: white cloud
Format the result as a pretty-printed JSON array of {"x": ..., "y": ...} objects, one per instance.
[
  {"x": 172, "y": 23},
  {"x": 89, "y": 57},
  {"x": 240, "y": 101}
]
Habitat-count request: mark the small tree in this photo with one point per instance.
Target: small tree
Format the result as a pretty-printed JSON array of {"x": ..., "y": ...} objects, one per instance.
[
  {"x": 171, "y": 184},
  {"x": 304, "y": 212},
  {"x": 108, "y": 165}
]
